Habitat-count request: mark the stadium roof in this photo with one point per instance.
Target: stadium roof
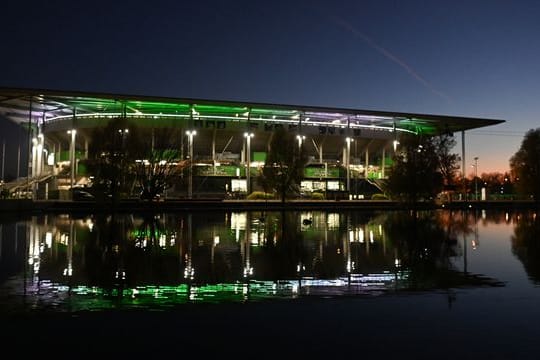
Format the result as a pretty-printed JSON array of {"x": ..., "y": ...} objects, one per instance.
[{"x": 50, "y": 105}]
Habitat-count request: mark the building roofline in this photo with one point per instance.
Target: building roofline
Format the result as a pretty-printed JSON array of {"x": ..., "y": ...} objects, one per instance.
[{"x": 455, "y": 123}]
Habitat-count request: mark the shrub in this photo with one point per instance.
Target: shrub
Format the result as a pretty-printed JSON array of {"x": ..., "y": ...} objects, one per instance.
[
  {"x": 259, "y": 195},
  {"x": 378, "y": 197},
  {"x": 4, "y": 194},
  {"x": 317, "y": 196}
]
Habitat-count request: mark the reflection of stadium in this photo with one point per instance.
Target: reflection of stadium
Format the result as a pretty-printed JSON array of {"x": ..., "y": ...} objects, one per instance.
[
  {"x": 346, "y": 147},
  {"x": 227, "y": 257},
  {"x": 174, "y": 258}
]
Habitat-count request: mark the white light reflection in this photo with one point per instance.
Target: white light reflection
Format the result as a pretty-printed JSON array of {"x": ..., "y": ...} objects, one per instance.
[
  {"x": 238, "y": 223},
  {"x": 162, "y": 240},
  {"x": 48, "y": 239},
  {"x": 254, "y": 238},
  {"x": 333, "y": 221}
]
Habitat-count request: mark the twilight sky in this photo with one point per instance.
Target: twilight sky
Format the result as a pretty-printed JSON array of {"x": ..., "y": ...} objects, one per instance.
[{"x": 476, "y": 58}]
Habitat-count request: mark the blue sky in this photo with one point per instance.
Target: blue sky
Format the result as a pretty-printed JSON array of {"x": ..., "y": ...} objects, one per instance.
[{"x": 465, "y": 58}]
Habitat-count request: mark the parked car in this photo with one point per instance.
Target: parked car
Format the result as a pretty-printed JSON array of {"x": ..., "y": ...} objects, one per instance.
[{"x": 79, "y": 194}]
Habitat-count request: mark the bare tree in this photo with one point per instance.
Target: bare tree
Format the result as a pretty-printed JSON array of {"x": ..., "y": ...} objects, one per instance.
[
  {"x": 159, "y": 165},
  {"x": 284, "y": 167}
]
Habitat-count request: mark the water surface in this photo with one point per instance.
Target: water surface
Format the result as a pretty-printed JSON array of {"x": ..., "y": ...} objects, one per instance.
[{"x": 461, "y": 283}]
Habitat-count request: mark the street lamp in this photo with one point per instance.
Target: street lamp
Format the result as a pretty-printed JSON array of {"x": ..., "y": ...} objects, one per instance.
[
  {"x": 476, "y": 178},
  {"x": 300, "y": 139},
  {"x": 123, "y": 133},
  {"x": 348, "y": 163},
  {"x": 248, "y": 136},
  {"x": 190, "y": 134},
  {"x": 72, "y": 132},
  {"x": 39, "y": 154},
  {"x": 33, "y": 167}
]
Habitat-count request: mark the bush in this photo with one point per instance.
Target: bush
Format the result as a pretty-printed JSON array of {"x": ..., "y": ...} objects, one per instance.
[
  {"x": 317, "y": 196},
  {"x": 259, "y": 195},
  {"x": 4, "y": 194},
  {"x": 378, "y": 197}
]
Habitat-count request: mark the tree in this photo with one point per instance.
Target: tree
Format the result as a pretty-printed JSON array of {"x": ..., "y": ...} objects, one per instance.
[
  {"x": 497, "y": 183},
  {"x": 159, "y": 166},
  {"x": 448, "y": 162},
  {"x": 525, "y": 165},
  {"x": 111, "y": 153},
  {"x": 415, "y": 174},
  {"x": 284, "y": 166},
  {"x": 120, "y": 157}
]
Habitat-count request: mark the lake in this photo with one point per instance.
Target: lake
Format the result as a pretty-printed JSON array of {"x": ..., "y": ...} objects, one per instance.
[{"x": 314, "y": 284}]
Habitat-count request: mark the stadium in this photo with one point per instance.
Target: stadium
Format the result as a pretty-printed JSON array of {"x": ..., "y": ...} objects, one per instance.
[{"x": 349, "y": 150}]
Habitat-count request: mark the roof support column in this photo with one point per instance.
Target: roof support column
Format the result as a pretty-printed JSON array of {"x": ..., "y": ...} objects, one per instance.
[
  {"x": 59, "y": 152},
  {"x": 214, "y": 149},
  {"x": 3, "y": 158},
  {"x": 367, "y": 162},
  {"x": 383, "y": 161},
  {"x": 348, "y": 162},
  {"x": 39, "y": 153},
  {"x": 463, "y": 163},
  {"x": 29, "y": 161},
  {"x": 53, "y": 171},
  {"x": 33, "y": 162},
  {"x": 18, "y": 161},
  {"x": 72, "y": 159},
  {"x": 348, "y": 140}
]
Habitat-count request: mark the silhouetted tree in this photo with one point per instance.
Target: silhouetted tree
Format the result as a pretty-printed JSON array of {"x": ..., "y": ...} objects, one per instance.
[
  {"x": 448, "y": 161},
  {"x": 284, "y": 166},
  {"x": 415, "y": 174},
  {"x": 112, "y": 152},
  {"x": 525, "y": 165},
  {"x": 159, "y": 165},
  {"x": 497, "y": 183},
  {"x": 121, "y": 157}
]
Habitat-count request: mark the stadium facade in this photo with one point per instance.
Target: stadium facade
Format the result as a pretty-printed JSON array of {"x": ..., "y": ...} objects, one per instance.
[{"x": 346, "y": 147}]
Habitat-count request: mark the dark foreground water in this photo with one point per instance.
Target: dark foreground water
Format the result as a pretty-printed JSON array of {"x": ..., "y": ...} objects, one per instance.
[{"x": 441, "y": 284}]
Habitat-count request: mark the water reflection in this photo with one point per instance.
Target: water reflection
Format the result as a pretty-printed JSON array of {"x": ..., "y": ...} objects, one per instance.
[
  {"x": 526, "y": 244},
  {"x": 159, "y": 260}
]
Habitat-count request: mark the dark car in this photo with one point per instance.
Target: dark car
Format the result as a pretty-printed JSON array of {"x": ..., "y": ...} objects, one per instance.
[{"x": 79, "y": 194}]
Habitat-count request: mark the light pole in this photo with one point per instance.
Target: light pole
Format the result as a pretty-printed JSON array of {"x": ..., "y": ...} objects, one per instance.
[
  {"x": 123, "y": 132},
  {"x": 39, "y": 154},
  {"x": 348, "y": 163},
  {"x": 248, "y": 136},
  {"x": 300, "y": 139},
  {"x": 190, "y": 134},
  {"x": 73, "y": 132},
  {"x": 3, "y": 157},
  {"x": 476, "y": 178}
]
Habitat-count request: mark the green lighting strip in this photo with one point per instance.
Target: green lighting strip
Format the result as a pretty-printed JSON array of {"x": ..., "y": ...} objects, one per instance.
[{"x": 230, "y": 118}]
